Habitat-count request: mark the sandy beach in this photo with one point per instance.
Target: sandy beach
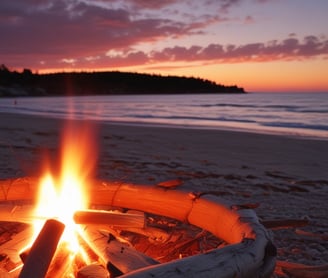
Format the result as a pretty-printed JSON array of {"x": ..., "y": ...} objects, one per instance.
[{"x": 286, "y": 177}]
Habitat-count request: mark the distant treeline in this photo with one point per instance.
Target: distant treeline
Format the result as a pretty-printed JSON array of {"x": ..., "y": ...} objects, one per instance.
[{"x": 26, "y": 83}]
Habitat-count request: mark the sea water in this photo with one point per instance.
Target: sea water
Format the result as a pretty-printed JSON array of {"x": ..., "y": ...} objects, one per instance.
[{"x": 297, "y": 114}]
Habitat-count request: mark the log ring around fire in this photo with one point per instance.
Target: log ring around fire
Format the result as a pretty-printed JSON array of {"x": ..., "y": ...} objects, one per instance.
[{"x": 250, "y": 253}]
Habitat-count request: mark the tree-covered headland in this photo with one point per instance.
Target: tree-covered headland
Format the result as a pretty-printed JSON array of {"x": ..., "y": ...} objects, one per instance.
[{"x": 26, "y": 83}]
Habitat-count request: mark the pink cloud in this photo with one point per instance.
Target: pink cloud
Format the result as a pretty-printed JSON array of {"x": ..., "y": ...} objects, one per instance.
[{"x": 288, "y": 49}]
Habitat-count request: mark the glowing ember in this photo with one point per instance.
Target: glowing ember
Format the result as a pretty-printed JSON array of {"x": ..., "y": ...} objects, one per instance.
[{"x": 59, "y": 197}]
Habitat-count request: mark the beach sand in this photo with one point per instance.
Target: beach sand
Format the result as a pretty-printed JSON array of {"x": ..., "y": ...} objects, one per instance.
[{"x": 286, "y": 177}]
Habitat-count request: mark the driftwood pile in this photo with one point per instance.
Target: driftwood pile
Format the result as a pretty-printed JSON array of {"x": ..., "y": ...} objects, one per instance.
[{"x": 170, "y": 233}]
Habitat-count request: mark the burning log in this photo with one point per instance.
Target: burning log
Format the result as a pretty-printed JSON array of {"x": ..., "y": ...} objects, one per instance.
[
  {"x": 61, "y": 262},
  {"x": 42, "y": 250},
  {"x": 67, "y": 262},
  {"x": 110, "y": 218}
]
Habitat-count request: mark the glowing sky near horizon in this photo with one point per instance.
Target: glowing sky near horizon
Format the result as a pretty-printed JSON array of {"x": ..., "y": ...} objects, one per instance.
[{"x": 261, "y": 45}]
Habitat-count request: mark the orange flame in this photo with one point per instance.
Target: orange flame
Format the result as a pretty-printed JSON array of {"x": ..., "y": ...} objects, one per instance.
[{"x": 59, "y": 197}]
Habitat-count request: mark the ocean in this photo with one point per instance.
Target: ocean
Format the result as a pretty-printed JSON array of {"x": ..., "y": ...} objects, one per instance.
[{"x": 303, "y": 115}]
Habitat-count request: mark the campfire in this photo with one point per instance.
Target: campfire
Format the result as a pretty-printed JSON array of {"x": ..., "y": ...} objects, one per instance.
[
  {"x": 79, "y": 223},
  {"x": 59, "y": 201}
]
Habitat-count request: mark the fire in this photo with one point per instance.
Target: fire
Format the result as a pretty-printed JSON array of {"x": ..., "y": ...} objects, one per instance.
[{"x": 59, "y": 197}]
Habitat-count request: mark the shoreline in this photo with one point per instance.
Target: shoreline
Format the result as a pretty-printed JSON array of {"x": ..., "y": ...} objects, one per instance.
[
  {"x": 287, "y": 178},
  {"x": 299, "y": 117},
  {"x": 300, "y": 134},
  {"x": 284, "y": 132}
]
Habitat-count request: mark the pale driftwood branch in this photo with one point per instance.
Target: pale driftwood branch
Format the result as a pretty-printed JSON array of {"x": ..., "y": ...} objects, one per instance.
[
  {"x": 110, "y": 218},
  {"x": 42, "y": 250},
  {"x": 119, "y": 254},
  {"x": 153, "y": 233},
  {"x": 126, "y": 258}
]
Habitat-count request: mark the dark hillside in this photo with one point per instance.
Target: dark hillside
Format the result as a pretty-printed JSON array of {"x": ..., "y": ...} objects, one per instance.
[{"x": 26, "y": 83}]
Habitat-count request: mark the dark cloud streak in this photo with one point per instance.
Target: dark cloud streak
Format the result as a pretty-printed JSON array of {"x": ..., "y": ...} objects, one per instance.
[{"x": 77, "y": 28}]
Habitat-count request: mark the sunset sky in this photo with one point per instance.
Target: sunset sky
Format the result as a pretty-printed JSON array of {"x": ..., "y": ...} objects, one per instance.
[{"x": 261, "y": 45}]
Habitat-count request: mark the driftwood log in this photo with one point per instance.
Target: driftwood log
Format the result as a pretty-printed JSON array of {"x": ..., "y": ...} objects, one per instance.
[
  {"x": 112, "y": 218},
  {"x": 118, "y": 256},
  {"x": 42, "y": 250},
  {"x": 250, "y": 253}
]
